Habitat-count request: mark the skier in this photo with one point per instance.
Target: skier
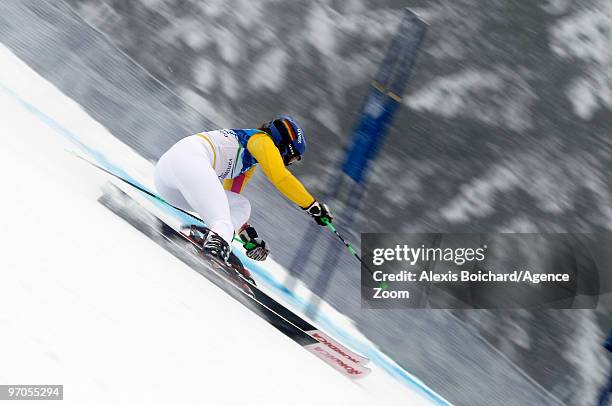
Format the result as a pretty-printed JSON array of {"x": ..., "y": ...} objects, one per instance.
[{"x": 190, "y": 173}]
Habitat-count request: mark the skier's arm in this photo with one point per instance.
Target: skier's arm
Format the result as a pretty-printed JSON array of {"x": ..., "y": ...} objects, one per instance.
[
  {"x": 266, "y": 153},
  {"x": 237, "y": 184}
]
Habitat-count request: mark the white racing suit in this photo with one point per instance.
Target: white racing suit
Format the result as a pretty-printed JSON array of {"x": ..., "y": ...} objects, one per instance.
[{"x": 189, "y": 176}]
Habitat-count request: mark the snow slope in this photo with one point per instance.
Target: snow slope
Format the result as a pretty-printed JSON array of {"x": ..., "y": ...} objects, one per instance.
[{"x": 88, "y": 302}]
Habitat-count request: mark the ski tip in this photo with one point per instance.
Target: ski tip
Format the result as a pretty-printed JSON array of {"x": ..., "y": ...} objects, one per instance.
[
  {"x": 345, "y": 366},
  {"x": 338, "y": 348}
]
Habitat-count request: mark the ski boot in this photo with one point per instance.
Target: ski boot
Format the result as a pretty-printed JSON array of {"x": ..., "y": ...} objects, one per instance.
[
  {"x": 198, "y": 234},
  {"x": 210, "y": 244},
  {"x": 216, "y": 247}
]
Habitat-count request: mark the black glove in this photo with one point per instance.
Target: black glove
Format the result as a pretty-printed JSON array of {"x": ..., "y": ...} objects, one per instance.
[
  {"x": 255, "y": 247},
  {"x": 320, "y": 212}
]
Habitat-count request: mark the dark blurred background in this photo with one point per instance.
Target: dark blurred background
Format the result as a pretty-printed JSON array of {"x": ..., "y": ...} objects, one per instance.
[{"x": 506, "y": 127}]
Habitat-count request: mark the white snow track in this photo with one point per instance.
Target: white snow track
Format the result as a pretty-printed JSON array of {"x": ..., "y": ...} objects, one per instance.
[{"x": 89, "y": 302}]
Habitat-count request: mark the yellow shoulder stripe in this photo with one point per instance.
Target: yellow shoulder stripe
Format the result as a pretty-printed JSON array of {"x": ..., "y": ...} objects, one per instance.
[{"x": 212, "y": 148}]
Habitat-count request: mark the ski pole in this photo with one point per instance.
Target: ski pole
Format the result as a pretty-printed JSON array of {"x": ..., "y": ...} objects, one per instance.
[
  {"x": 142, "y": 189},
  {"x": 346, "y": 243}
]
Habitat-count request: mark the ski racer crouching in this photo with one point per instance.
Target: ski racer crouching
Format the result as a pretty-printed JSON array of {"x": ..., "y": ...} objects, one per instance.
[{"x": 190, "y": 173}]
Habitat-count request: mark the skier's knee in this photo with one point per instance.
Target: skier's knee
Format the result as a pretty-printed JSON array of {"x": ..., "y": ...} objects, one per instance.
[
  {"x": 224, "y": 228},
  {"x": 240, "y": 206},
  {"x": 244, "y": 206}
]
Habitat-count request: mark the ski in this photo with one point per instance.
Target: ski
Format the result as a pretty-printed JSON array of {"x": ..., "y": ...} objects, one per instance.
[
  {"x": 296, "y": 320},
  {"x": 234, "y": 283}
]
